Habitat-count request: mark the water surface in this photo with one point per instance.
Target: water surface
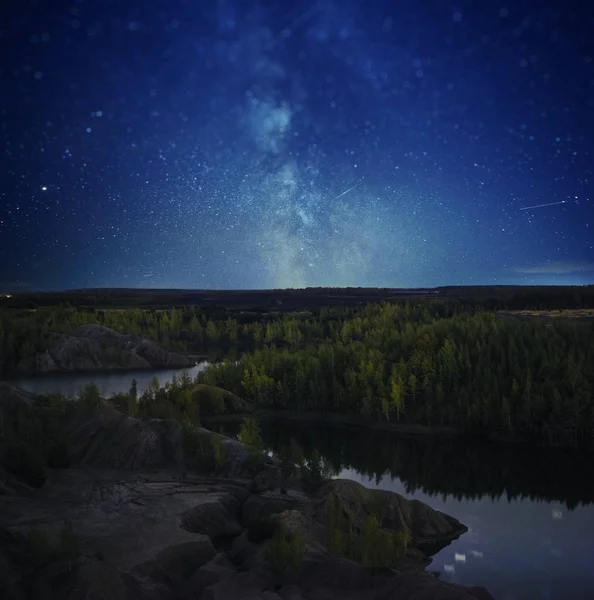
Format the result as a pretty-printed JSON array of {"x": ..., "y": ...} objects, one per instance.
[
  {"x": 109, "y": 384},
  {"x": 529, "y": 511}
]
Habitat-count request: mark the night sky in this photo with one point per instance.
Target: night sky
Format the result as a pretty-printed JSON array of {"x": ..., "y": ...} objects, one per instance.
[{"x": 245, "y": 144}]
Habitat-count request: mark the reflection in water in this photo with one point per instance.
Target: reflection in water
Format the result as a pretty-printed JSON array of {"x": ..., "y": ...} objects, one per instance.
[
  {"x": 108, "y": 383},
  {"x": 460, "y": 468},
  {"x": 510, "y": 497}
]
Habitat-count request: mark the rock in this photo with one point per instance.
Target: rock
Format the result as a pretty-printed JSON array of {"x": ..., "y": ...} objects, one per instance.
[
  {"x": 290, "y": 592},
  {"x": 23, "y": 462},
  {"x": 428, "y": 528},
  {"x": 88, "y": 578},
  {"x": 269, "y": 478},
  {"x": 170, "y": 433},
  {"x": 175, "y": 566},
  {"x": 130, "y": 518},
  {"x": 94, "y": 347},
  {"x": 258, "y": 507},
  {"x": 22, "y": 575},
  {"x": 214, "y": 515},
  {"x": 247, "y": 554},
  {"x": 145, "y": 531},
  {"x": 13, "y": 399},
  {"x": 244, "y": 586},
  {"x": 313, "y": 533},
  {"x": 220, "y": 568},
  {"x": 105, "y": 437},
  {"x": 235, "y": 454}
]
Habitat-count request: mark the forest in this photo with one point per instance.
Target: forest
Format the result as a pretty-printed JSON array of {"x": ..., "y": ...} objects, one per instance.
[{"x": 431, "y": 362}]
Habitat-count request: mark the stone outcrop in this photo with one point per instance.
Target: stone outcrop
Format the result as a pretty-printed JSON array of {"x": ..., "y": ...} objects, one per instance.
[
  {"x": 427, "y": 528},
  {"x": 97, "y": 348},
  {"x": 132, "y": 519}
]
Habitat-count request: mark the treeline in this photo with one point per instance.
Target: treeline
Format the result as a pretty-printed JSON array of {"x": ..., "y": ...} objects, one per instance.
[
  {"x": 487, "y": 297},
  {"x": 429, "y": 364},
  {"x": 24, "y": 333},
  {"x": 218, "y": 332}
]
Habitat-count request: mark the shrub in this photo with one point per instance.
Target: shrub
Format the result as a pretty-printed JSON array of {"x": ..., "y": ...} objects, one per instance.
[
  {"x": 372, "y": 546},
  {"x": 285, "y": 555},
  {"x": 56, "y": 401},
  {"x": 206, "y": 457},
  {"x": 90, "y": 395},
  {"x": 218, "y": 451}
]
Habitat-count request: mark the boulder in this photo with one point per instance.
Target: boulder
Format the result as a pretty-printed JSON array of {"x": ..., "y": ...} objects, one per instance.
[
  {"x": 174, "y": 566},
  {"x": 427, "y": 528},
  {"x": 214, "y": 515}
]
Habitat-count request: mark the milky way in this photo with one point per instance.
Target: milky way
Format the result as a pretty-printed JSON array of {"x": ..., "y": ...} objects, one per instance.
[{"x": 344, "y": 143}]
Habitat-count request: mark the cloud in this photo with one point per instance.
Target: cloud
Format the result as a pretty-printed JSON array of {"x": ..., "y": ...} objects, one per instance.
[{"x": 557, "y": 268}]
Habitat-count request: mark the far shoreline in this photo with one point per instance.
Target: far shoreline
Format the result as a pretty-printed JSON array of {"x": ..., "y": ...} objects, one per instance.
[
  {"x": 339, "y": 420},
  {"x": 16, "y": 375}
]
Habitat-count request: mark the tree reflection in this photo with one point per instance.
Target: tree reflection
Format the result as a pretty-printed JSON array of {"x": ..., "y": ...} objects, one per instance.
[{"x": 462, "y": 468}]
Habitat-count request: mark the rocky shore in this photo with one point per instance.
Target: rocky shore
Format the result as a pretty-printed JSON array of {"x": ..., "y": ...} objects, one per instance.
[
  {"x": 96, "y": 348},
  {"x": 97, "y": 504}
]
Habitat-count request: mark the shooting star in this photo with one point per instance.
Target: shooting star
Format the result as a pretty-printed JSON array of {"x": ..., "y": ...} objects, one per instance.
[
  {"x": 543, "y": 205},
  {"x": 347, "y": 191}
]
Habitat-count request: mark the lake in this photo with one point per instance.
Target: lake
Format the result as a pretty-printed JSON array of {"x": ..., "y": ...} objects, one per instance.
[
  {"x": 109, "y": 384},
  {"x": 530, "y": 512}
]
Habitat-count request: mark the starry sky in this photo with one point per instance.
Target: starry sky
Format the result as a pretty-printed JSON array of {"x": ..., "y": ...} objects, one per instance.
[{"x": 268, "y": 144}]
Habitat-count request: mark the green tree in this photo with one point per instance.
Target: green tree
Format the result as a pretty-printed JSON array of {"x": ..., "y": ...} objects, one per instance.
[
  {"x": 90, "y": 395},
  {"x": 397, "y": 394},
  {"x": 249, "y": 434}
]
